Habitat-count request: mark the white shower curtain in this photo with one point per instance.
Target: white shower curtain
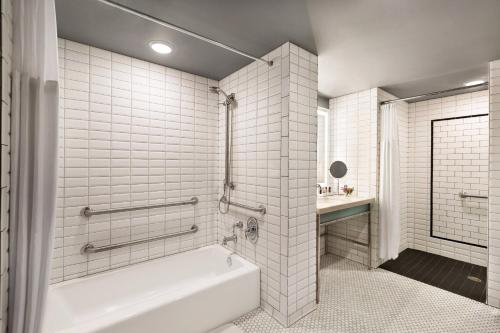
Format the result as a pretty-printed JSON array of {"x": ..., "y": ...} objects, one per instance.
[
  {"x": 34, "y": 160},
  {"x": 389, "y": 198}
]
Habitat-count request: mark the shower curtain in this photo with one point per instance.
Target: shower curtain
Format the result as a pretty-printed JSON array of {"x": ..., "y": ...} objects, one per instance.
[
  {"x": 34, "y": 160},
  {"x": 389, "y": 198}
]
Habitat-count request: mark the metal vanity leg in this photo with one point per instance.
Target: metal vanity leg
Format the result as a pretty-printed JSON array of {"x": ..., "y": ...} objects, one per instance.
[
  {"x": 370, "y": 238},
  {"x": 318, "y": 255}
]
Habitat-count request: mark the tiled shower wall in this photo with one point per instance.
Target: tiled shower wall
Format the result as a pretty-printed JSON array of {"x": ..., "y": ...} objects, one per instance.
[
  {"x": 421, "y": 114},
  {"x": 494, "y": 187},
  {"x": 6, "y": 70},
  {"x": 274, "y": 164},
  {"x": 460, "y": 163},
  {"x": 354, "y": 140},
  {"x": 132, "y": 134}
]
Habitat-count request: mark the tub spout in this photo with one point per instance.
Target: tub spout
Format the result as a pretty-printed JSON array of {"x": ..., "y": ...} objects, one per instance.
[{"x": 227, "y": 239}]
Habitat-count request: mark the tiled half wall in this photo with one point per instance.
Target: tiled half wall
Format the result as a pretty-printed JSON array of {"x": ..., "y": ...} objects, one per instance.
[
  {"x": 274, "y": 164},
  {"x": 494, "y": 188}
]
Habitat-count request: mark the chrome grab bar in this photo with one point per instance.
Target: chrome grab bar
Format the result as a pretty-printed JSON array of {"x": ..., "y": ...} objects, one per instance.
[
  {"x": 464, "y": 195},
  {"x": 90, "y": 248},
  {"x": 261, "y": 209},
  {"x": 88, "y": 212}
]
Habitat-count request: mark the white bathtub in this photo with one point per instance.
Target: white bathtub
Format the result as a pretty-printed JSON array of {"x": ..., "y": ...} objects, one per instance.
[{"x": 193, "y": 291}]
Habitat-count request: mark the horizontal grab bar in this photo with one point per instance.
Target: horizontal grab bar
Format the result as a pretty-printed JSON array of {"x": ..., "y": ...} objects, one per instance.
[
  {"x": 261, "y": 209},
  {"x": 464, "y": 195},
  {"x": 88, "y": 212},
  {"x": 90, "y": 248}
]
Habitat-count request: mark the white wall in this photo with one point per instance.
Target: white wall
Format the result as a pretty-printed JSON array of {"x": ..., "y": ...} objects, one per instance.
[
  {"x": 132, "y": 134},
  {"x": 460, "y": 163},
  {"x": 354, "y": 136},
  {"x": 494, "y": 187},
  {"x": 274, "y": 164},
  {"x": 6, "y": 21},
  {"x": 421, "y": 114}
]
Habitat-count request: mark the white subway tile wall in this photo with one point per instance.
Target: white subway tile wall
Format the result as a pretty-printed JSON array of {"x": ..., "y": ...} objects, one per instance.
[
  {"x": 6, "y": 22},
  {"x": 353, "y": 134},
  {"x": 354, "y": 138},
  {"x": 494, "y": 187},
  {"x": 350, "y": 139},
  {"x": 460, "y": 164},
  {"x": 132, "y": 134},
  {"x": 302, "y": 164},
  {"x": 421, "y": 114},
  {"x": 274, "y": 164}
]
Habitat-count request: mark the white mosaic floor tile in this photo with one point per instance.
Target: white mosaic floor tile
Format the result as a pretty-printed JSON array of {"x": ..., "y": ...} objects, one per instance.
[{"x": 353, "y": 299}]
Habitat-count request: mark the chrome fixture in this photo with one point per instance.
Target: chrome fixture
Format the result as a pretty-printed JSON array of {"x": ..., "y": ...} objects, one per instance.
[
  {"x": 233, "y": 238},
  {"x": 252, "y": 230},
  {"x": 261, "y": 209},
  {"x": 179, "y": 29},
  {"x": 229, "y": 98},
  {"x": 238, "y": 225},
  {"x": 88, "y": 212},
  {"x": 464, "y": 195},
  {"x": 483, "y": 86},
  {"x": 90, "y": 248},
  {"x": 225, "y": 199},
  {"x": 228, "y": 185}
]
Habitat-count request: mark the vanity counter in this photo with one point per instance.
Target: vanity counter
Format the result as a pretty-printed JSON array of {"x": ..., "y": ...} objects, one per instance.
[{"x": 340, "y": 202}]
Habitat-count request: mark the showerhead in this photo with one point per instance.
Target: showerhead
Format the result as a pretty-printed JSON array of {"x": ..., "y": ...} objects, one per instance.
[{"x": 217, "y": 90}]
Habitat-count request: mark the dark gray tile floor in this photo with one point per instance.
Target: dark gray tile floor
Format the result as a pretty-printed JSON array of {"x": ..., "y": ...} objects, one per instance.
[{"x": 449, "y": 274}]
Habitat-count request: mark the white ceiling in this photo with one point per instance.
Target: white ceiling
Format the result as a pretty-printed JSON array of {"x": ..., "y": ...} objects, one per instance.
[{"x": 406, "y": 46}]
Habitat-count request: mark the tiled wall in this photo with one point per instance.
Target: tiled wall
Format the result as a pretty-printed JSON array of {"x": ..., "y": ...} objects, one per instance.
[
  {"x": 132, "y": 134},
  {"x": 301, "y": 176},
  {"x": 354, "y": 136},
  {"x": 494, "y": 188},
  {"x": 351, "y": 138},
  {"x": 274, "y": 164},
  {"x": 6, "y": 22},
  {"x": 421, "y": 114},
  {"x": 460, "y": 163},
  {"x": 135, "y": 133}
]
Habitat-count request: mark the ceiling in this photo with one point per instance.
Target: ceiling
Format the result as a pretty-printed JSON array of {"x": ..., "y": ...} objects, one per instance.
[
  {"x": 407, "y": 47},
  {"x": 255, "y": 27}
]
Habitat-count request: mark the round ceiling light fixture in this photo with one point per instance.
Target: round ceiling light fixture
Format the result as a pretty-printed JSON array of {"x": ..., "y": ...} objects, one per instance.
[
  {"x": 160, "y": 47},
  {"x": 474, "y": 83}
]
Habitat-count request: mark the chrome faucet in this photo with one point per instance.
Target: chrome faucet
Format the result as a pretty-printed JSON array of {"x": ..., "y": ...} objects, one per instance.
[{"x": 232, "y": 238}]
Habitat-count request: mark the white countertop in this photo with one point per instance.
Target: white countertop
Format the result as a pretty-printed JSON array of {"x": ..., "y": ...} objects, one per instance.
[{"x": 339, "y": 202}]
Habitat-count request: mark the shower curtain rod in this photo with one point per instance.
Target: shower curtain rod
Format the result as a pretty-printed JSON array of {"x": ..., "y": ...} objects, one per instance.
[
  {"x": 179, "y": 29},
  {"x": 485, "y": 85}
]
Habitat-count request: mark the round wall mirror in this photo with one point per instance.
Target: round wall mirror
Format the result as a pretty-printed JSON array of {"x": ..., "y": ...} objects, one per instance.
[{"x": 338, "y": 169}]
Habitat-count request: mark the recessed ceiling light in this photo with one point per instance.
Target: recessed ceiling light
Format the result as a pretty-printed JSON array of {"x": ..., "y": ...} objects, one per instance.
[
  {"x": 160, "y": 47},
  {"x": 474, "y": 83}
]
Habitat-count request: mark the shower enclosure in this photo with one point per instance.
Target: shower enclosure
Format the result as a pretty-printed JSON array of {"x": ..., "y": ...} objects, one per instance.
[{"x": 445, "y": 219}]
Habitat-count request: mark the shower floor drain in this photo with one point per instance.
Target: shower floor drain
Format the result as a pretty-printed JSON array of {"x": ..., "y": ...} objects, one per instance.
[{"x": 475, "y": 279}]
